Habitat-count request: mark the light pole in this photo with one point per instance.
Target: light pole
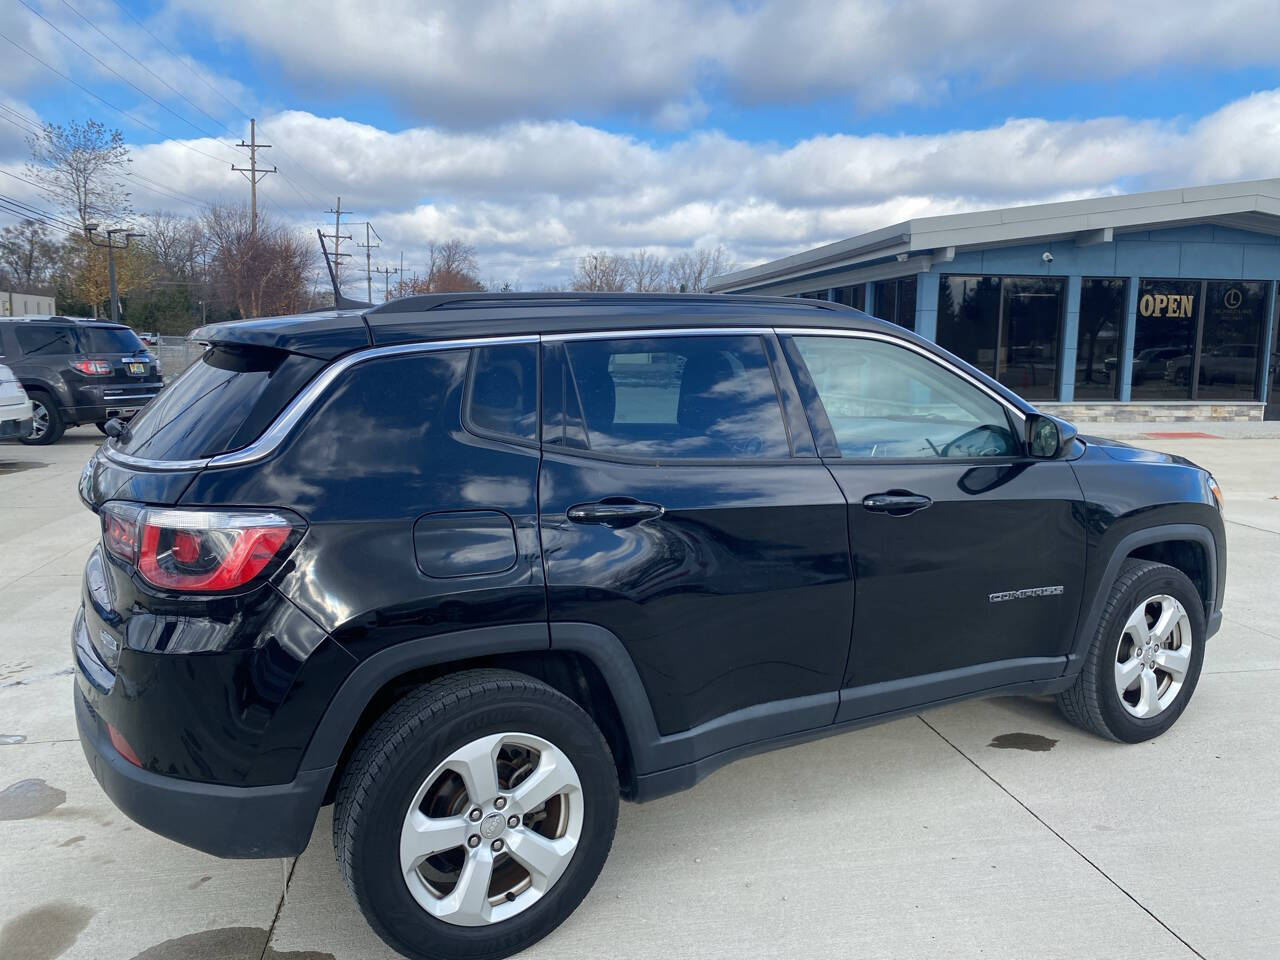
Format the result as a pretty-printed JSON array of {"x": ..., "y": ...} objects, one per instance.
[{"x": 89, "y": 228}]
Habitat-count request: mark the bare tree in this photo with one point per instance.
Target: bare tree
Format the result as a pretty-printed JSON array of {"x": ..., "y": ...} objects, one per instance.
[
  {"x": 644, "y": 271},
  {"x": 690, "y": 272},
  {"x": 452, "y": 267},
  {"x": 81, "y": 166},
  {"x": 600, "y": 271},
  {"x": 28, "y": 256},
  {"x": 260, "y": 273},
  {"x": 175, "y": 242}
]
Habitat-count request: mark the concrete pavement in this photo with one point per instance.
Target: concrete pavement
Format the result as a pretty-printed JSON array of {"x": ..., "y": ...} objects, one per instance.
[{"x": 986, "y": 829}]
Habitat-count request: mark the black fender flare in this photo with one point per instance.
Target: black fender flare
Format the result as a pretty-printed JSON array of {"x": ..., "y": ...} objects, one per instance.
[
  {"x": 595, "y": 643},
  {"x": 1161, "y": 533}
]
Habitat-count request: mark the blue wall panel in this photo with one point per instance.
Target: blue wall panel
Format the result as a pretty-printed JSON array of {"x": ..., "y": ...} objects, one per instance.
[
  {"x": 1147, "y": 258},
  {"x": 1211, "y": 261}
]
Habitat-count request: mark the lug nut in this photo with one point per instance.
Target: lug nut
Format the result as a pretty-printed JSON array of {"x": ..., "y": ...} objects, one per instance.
[
  {"x": 500, "y": 803},
  {"x": 497, "y": 846},
  {"x": 475, "y": 815},
  {"x": 513, "y": 821},
  {"x": 473, "y": 840}
]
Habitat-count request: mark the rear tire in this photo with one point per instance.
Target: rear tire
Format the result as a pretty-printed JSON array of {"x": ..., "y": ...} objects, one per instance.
[
  {"x": 410, "y": 839},
  {"x": 1144, "y": 662},
  {"x": 47, "y": 425},
  {"x": 102, "y": 427}
]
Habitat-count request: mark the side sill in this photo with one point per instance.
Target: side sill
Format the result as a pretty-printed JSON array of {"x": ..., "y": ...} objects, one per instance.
[{"x": 664, "y": 782}]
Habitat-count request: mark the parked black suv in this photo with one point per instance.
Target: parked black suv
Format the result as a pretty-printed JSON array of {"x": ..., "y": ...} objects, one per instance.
[
  {"x": 470, "y": 566},
  {"x": 77, "y": 371}
]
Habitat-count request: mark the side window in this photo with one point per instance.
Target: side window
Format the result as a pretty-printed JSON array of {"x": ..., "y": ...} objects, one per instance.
[
  {"x": 44, "y": 340},
  {"x": 502, "y": 393},
  {"x": 663, "y": 398},
  {"x": 887, "y": 401}
]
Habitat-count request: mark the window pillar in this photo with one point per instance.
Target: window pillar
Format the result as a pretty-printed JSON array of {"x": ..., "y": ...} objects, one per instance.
[
  {"x": 1070, "y": 338},
  {"x": 927, "y": 306},
  {"x": 1125, "y": 360},
  {"x": 870, "y": 297},
  {"x": 1269, "y": 345}
]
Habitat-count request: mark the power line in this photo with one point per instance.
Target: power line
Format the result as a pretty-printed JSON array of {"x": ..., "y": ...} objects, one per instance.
[
  {"x": 157, "y": 76},
  {"x": 106, "y": 102},
  {"x": 98, "y": 60},
  {"x": 35, "y": 213},
  {"x": 43, "y": 189}
]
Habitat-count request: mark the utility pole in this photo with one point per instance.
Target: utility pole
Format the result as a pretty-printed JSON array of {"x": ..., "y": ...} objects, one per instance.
[
  {"x": 338, "y": 236},
  {"x": 252, "y": 172},
  {"x": 386, "y": 281},
  {"x": 111, "y": 246},
  {"x": 369, "y": 246}
]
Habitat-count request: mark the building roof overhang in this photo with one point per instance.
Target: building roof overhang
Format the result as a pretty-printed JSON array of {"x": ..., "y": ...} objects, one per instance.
[{"x": 1252, "y": 205}]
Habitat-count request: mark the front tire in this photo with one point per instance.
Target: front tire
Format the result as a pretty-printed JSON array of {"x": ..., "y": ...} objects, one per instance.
[
  {"x": 475, "y": 815},
  {"x": 47, "y": 425},
  {"x": 1144, "y": 662}
]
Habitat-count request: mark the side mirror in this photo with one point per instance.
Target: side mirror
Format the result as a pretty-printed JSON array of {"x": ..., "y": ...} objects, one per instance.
[{"x": 1048, "y": 438}]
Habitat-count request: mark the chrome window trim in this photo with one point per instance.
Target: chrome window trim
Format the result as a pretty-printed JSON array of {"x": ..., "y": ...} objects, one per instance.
[
  {"x": 899, "y": 342},
  {"x": 300, "y": 405}
]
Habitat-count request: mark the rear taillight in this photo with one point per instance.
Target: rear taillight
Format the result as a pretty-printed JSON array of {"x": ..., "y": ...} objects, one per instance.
[
  {"x": 94, "y": 368},
  {"x": 197, "y": 550}
]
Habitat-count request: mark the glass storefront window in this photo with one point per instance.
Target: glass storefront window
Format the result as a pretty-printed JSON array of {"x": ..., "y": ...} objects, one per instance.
[
  {"x": 814, "y": 295},
  {"x": 895, "y": 301},
  {"x": 854, "y": 296},
  {"x": 1008, "y": 327},
  {"x": 1164, "y": 339},
  {"x": 1102, "y": 309},
  {"x": 1234, "y": 316}
]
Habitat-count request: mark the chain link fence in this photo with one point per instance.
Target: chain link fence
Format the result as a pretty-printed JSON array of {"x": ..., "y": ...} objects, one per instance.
[{"x": 176, "y": 354}]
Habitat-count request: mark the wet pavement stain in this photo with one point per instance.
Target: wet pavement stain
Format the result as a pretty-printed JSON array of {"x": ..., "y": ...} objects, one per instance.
[
  {"x": 224, "y": 942},
  {"x": 29, "y": 798},
  {"x": 7, "y": 739},
  {"x": 1023, "y": 741},
  {"x": 45, "y": 932},
  {"x": 18, "y": 466},
  {"x": 71, "y": 841}
]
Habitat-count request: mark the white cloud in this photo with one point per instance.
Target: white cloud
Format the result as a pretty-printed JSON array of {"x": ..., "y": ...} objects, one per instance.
[
  {"x": 533, "y": 196},
  {"x": 468, "y": 63}
]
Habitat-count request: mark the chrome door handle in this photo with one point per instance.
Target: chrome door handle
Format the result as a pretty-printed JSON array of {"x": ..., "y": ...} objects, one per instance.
[
  {"x": 615, "y": 512},
  {"x": 896, "y": 503}
]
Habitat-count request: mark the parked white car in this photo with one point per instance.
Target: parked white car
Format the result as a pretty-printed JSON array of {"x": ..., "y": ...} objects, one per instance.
[{"x": 15, "y": 406}]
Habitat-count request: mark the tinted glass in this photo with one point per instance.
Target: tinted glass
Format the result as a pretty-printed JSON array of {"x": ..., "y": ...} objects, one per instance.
[
  {"x": 678, "y": 397},
  {"x": 219, "y": 403},
  {"x": 887, "y": 401},
  {"x": 886, "y": 300},
  {"x": 109, "y": 340},
  {"x": 41, "y": 340},
  {"x": 1164, "y": 339},
  {"x": 503, "y": 395},
  {"x": 1102, "y": 309},
  {"x": 895, "y": 301},
  {"x": 1234, "y": 317},
  {"x": 854, "y": 296},
  {"x": 969, "y": 318},
  {"x": 1027, "y": 361}
]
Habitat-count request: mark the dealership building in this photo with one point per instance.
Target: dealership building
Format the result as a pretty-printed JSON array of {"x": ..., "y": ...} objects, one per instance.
[{"x": 1150, "y": 306}]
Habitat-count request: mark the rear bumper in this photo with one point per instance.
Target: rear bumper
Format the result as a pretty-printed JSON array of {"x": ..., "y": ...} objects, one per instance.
[
  {"x": 93, "y": 403},
  {"x": 10, "y": 429},
  {"x": 259, "y": 822}
]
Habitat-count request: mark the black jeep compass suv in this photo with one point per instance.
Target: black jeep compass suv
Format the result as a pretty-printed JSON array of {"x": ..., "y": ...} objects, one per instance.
[{"x": 470, "y": 567}]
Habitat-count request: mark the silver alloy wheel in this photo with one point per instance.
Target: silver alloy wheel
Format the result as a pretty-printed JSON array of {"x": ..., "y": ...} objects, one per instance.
[
  {"x": 1153, "y": 656},
  {"x": 39, "y": 420},
  {"x": 492, "y": 829}
]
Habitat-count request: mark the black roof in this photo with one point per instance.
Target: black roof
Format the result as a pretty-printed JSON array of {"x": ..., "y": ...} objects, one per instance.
[{"x": 463, "y": 315}]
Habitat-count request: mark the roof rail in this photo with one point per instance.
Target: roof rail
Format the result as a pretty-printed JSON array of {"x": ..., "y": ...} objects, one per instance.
[{"x": 436, "y": 301}]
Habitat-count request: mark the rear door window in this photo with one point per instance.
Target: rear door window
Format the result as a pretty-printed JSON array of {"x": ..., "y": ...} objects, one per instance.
[
  {"x": 502, "y": 392},
  {"x": 45, "y": 340},
  {"x": 220, "y": 403},
  {"x": 696, "y": 397}
]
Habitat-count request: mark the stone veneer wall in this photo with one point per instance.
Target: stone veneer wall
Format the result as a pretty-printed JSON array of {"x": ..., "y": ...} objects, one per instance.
[{"x": 1165, "y": 412}]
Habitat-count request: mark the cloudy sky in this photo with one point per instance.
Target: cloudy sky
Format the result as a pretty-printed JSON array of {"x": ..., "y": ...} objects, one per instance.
[{"x": 540, "y": 129}]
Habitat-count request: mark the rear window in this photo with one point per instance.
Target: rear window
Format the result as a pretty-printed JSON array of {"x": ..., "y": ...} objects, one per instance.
[
  {"x": 222, "y": 402},
  {"x": 108, "y": 340}
]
